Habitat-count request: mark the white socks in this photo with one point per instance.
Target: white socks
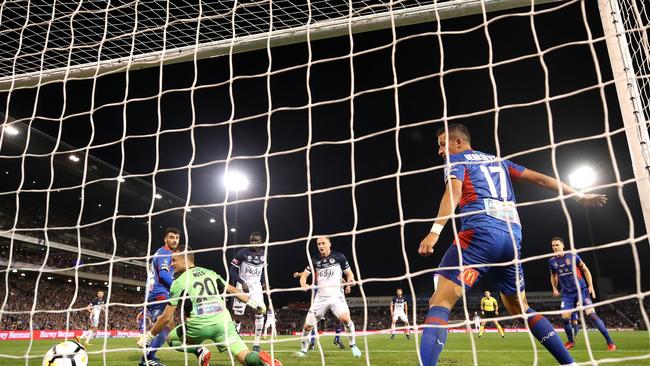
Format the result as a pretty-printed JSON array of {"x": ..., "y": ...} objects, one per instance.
[
  {"x": 259, "y": 324},
  {"x": 349, "y": 328}
]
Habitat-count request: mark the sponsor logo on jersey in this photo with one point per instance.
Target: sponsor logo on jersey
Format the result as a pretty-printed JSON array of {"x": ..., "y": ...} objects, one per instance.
[
  {"x": 332, "y": 260},
  {"x": 469, "y": 276},
  {"x": 568, "y": 261},
  {"x": 326, "y": 273}
]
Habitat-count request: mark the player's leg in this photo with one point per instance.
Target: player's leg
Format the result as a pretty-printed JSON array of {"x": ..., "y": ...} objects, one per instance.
[
  {"x": 258, "y": 297},
  {"x": 481, "y": 329},
  {"x": 405, "y": 321},
  {"x": 393, "y": 323},
  {"x": 154, "y": 312},
  {"x": 315, "y": 314},
  {"x": 595, "y": 320},
  {"x": 510, "y": 280},
  {"x": 337, "y": 336},
  {"x": 227, "y": 338},
  {"x": 567, "y": 305},
  {"x": 499, "y": 329},
  {"x": 449, "y": 290},
  {"x": 340, "y": 309},
  {"x": 575, "y": 323},
  {"x": 539, "y": 326}
]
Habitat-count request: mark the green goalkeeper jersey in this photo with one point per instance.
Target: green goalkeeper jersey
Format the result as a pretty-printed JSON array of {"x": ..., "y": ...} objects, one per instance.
[{"x": 200, "y": 292}]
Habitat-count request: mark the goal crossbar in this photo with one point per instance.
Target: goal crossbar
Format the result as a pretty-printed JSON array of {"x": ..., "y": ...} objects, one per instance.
[{"x": 319, "y": 30}]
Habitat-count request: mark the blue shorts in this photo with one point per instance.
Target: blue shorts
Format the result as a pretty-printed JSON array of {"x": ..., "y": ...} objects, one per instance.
[
  {"x": 571, "y": 301},
  {"x": 155, "y": 310},
  {"x": 485, "y": 246}
]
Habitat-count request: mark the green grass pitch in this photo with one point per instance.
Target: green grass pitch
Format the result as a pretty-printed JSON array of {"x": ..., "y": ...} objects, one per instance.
[{"x": 515, "y": 349}]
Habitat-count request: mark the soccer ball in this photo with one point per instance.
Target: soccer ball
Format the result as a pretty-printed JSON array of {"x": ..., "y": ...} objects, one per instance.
[{"x": 68, "y": 353}]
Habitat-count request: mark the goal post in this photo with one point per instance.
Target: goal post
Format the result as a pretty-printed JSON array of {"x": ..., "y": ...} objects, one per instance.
[
  {"x": 619, "y": 27},
  {"x": 335, "y": 27}
]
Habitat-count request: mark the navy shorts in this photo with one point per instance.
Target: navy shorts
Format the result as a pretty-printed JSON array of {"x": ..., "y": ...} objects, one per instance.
[
  {"x": 155, "y": 310},
  {"x": 571, "y": 300},
  {"x": 485, "y": 246}
]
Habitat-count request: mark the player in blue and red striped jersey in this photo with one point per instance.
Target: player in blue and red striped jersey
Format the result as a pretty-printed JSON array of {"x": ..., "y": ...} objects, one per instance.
[
  {"x": 159, "y": 280},
  {"x": 573, "y": 277},
  {"x": 490, "y": 233}
]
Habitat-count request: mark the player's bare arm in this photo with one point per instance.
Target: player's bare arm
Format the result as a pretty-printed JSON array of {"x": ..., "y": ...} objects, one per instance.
[
  {"x": 447, "y": 207},
  {"x": 542, "y": 180},
  {"x": 162, "y": 321},
  {"x": 303, "y": 280},
  {"x": 349, "y": 275},
  {"x": 587, "y": 273},
  {"x": 554, "y": 282},
  {"x": 392, "y": 310}
]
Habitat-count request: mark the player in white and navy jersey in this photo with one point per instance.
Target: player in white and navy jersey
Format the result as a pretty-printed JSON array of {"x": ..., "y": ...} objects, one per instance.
[
  {"x": 571, "y": 278},
  {"x": 398, "y": 310},
  {"x": 477, "y": 322},
  {"x": 329, "y": 267},
  {"x": 95, "y": 308},
  {"x": 247, "y": 274},
  {"x": 481, "y": 184}
]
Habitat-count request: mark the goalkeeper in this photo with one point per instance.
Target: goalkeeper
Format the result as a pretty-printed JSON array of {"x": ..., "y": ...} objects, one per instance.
[{"x": 199, "y": 292}]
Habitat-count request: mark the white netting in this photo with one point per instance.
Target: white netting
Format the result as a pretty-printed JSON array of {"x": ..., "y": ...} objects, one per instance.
[{"x": 337, "y": 133}]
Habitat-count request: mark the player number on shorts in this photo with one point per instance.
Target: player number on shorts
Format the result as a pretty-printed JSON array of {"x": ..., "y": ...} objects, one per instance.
[{"x": 490, "y": 182}]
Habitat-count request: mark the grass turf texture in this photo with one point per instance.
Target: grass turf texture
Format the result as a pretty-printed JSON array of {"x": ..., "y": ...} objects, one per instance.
[{"x": 515, "y": 349}]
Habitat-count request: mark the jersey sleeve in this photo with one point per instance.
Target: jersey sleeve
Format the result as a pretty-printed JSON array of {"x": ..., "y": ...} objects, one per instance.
[
  {"x": 176, "y": 291},
  {"x": 550, "y": 266},
  {"x": 514, "y": 170},
  {"x": 578, "y": 260},
  {"x": 455, "y": 171},
  {"x": 308, "y": 268},
  {"x": 343, "y": 262},
  {"x": 238, "y": 259},
  {"x": 392, "y": 301}
]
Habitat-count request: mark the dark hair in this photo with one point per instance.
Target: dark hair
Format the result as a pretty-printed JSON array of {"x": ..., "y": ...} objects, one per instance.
[
  {"x": 182, "y": 248},
  {"x": 255, "y": 234},
  {"x": 455, "y": 128},
  {"x": 558, "y": 238},
  {"x": 172, "y": 230}
]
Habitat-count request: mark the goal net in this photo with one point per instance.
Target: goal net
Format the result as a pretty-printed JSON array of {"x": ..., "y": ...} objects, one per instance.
[{"x": 305, "y": 119}]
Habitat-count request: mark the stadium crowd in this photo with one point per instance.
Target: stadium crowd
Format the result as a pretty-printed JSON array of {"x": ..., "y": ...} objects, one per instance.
[
  {"x": 61, "y": 259},
  {"x": 53, "y": 300}
]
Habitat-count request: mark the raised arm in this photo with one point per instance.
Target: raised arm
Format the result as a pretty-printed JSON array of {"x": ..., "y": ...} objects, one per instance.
[
  {"x": 542, "y": 180},
  {"x": 446, "y": 209}
]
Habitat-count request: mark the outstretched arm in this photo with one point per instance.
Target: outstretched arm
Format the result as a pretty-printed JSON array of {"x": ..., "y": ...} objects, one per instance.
[
  {"x": 350, "y": 280},
  {"x": 542, "y": 180},
  {"x": 303, "y": 280},
  {"x": 446, "y": 209}
]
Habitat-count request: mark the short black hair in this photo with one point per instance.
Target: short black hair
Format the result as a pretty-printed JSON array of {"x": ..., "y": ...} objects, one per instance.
[
  {"x": 558, "y": 238},
  {"x": 185, "y": 248},
  {"x": 255, "y": 234},
  {"x": 455, "y": 128},
  {"x": 172, "y": 230}
]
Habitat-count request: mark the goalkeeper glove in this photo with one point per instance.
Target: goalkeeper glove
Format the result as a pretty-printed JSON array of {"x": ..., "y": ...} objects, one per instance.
[
  {"x": 260, "y": 309},
  {"x": 145, "y": 339}
]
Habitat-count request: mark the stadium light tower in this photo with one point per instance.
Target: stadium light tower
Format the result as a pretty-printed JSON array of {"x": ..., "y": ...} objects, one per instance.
[
  {"x": 581, "y": 179},
  {"x": 235, "y": 181}
]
